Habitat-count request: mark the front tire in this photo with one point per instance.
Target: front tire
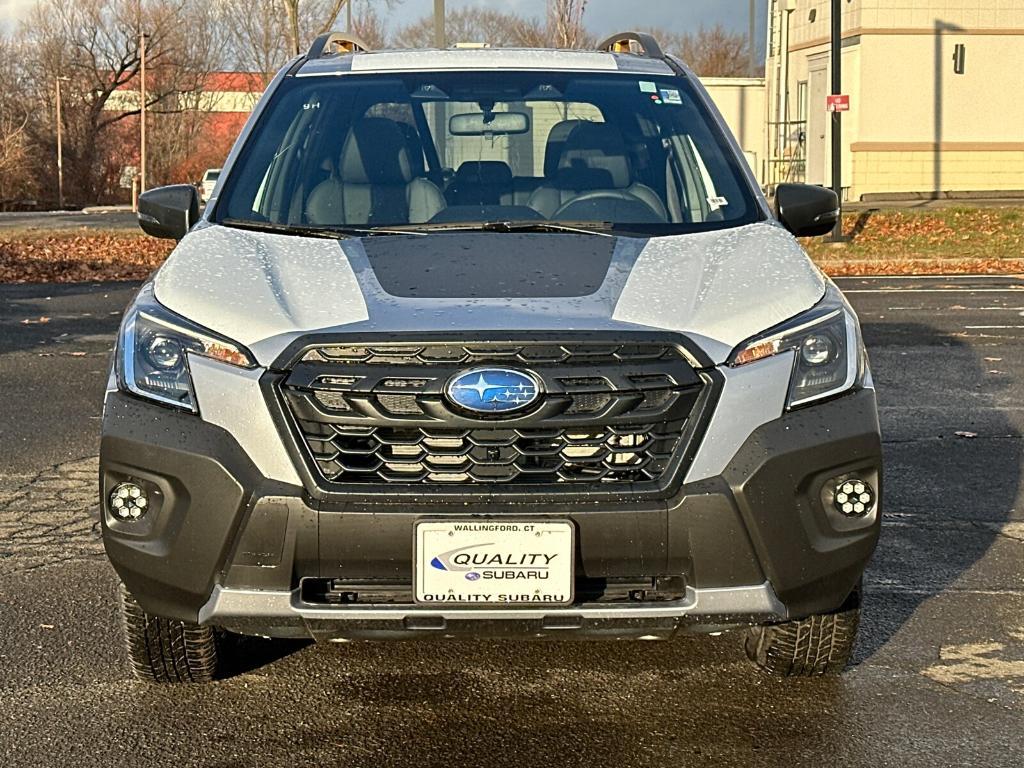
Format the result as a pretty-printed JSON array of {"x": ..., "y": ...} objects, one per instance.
[
  {"x": 169, "y": 651},
  {"x": 818, "y": 645}
]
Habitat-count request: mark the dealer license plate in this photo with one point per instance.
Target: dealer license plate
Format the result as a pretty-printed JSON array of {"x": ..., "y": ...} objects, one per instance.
[{"x": 494, "y": 562}]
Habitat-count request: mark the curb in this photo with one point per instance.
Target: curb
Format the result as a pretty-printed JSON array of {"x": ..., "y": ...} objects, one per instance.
[{"x": 107, "y": 209}]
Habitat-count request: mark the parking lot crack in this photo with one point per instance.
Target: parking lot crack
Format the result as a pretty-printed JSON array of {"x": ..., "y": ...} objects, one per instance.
[{"x": 52, "y": 516}]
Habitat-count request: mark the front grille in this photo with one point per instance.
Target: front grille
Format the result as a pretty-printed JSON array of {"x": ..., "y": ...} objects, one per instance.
[
  {"x": 537, "y": 456},
  {"x": 485, "y": 353},
  {"x": 610, "y": 415}
]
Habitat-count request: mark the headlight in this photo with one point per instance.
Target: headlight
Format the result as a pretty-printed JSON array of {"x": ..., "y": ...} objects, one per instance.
[
  {"x": 828, "y": 353},
  {"x": 153, "y": 349}
]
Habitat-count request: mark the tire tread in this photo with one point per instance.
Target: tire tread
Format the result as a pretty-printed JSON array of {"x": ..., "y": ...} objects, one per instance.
[
  {"x": 169, "y": 651},
  {"x": 818, "y": 645}
]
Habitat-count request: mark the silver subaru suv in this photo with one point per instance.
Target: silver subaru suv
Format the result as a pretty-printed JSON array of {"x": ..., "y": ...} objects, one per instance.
[{"x": 490, "y": 343}]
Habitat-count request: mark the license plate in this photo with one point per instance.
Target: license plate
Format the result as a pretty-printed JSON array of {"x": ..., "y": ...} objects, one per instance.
[{"x": 489, "y": 562}]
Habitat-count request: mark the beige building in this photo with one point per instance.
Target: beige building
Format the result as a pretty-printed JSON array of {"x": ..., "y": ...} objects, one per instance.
[
  {"x": 741, "y": 100},
  {"x": 936, "y": 90}
]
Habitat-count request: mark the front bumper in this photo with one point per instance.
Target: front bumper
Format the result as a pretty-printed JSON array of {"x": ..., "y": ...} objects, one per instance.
[
  {"x": 224, "y": 545},
  {"x": 282, "y": 614}
]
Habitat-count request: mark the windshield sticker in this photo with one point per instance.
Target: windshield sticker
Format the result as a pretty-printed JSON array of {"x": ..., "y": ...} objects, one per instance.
[
  {"x": 671, "y": 96},
  {"x": 648, "y": 87},
  {"x": 717, "y": 202}
]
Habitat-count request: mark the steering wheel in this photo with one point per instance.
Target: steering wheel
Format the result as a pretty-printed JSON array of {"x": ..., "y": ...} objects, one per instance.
[{"x": 608, "y": 205}]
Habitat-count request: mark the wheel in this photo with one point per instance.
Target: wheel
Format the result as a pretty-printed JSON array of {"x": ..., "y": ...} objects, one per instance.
[
  {"x": 169, "y": 651},
  {"x": 811, "y": 647}
]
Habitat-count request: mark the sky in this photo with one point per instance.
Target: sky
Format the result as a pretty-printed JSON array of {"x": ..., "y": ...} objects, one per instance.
[
  {"x": 603, "y": 16},
  {"x": 607, "y": 16}
]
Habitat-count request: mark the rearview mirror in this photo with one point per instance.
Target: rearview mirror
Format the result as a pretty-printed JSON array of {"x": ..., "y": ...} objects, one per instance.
[
  {"x": 806, "y": 210},
  {"x": 169, "y": 212},
  {"x": 492, "y": 124}
]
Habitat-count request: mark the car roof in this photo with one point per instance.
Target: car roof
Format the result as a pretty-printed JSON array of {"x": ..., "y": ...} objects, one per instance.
[{"x": 477, "y": 59}]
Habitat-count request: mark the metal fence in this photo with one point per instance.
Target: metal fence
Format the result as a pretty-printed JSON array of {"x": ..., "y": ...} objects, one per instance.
[{"x": 787, "y": 152}]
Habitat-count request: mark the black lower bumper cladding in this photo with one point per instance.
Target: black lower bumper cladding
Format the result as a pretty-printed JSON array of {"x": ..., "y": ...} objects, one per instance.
[{"x": 227, "y": 545}]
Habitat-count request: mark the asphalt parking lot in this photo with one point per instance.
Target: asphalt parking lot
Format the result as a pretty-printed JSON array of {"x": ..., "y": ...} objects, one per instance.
[
  {"x": 102, "y": 219},
  {"x": 939, "y": 672}
]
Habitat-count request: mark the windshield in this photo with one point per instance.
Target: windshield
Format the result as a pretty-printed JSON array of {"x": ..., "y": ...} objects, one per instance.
[{"x": 439, "y": 150}]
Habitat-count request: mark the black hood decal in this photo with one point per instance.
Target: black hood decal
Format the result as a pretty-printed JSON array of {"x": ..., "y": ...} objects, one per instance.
[{"x": 485, "y": 265}]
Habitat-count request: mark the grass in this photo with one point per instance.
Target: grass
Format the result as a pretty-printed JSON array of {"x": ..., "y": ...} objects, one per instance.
[{"x": 934, "y": 241}]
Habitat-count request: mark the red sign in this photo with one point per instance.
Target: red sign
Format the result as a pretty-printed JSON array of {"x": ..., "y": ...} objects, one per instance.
[{"x": 838, "y": 103}]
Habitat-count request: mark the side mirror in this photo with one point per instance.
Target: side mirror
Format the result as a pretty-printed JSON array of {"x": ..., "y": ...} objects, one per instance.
[
  {"x": 806, "y": 210},
  {"x": 169, "y": 211}
]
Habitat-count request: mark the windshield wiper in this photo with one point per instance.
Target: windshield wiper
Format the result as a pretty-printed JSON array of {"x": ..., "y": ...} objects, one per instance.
[
  {"x": 547, "y": 226},
  {"x": 335, "y": 233},
  {"x": 520, "y": 226}
]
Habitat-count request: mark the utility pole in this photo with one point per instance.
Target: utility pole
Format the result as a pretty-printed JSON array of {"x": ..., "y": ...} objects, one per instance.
[
  {"x": 142, "y": 112},
  {"x": 753, "y": 32},
  {"x": 782, "y": 134},
  {"x": 440, "y": 40},
  {"x": 440, "y": 116},
  {"x": 837, "y": 116},
  {"x": 60, "y": 150}
]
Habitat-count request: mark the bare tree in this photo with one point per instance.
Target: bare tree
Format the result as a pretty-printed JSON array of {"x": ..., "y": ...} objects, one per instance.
[
  {"x": 711, "y": 52},
  {"x": 263, "y": 34},
  {"x": 94, "y": 44},
  {"x": 565, "y": 23},
  {"x": 475, "y": 25},
  {"x": 305, "y": 16},
  {"x": 16, "y": 172},
  {"x": 368, "y": 25},
  {"x": 178, "y": 124},
  {"x": 256, "y": 39},
  {"x": 308, "y": 18}
]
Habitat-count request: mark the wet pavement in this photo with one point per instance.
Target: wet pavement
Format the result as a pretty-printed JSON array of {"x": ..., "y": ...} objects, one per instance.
[{"x": 938, "y": 678}]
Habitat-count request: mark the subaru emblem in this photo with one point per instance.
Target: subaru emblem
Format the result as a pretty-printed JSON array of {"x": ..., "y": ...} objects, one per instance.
[{"x": 493, "y": 390}]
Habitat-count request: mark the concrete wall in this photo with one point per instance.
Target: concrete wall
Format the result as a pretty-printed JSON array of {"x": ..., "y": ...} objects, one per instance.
[{"x": 741, "y": 100}]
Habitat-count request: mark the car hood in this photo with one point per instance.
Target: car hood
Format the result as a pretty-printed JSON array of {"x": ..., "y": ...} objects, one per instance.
[{"x": 266, "y": 290}]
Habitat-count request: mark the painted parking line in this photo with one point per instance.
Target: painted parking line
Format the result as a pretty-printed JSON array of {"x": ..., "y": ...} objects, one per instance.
[
  {"x": 932, "y": 284},
  {"x": 1009, "y": 289}
]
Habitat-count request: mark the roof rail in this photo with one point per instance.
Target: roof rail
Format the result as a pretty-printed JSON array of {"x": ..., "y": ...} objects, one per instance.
[
  {"x": 331, "y": 43},
  {"x": 639, "y": 43}
]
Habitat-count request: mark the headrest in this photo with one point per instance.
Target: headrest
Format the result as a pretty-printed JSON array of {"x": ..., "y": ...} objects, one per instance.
[
  {"x": 375, "y": 152},
  {"x": 414, "y": 144},
  {"x": 556, "y": 145},
  {"x": 597, "y": 147},
  {"x": 488, "y": 173}
]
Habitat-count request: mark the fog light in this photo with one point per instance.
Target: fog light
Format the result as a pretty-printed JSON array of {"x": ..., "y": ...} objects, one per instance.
[
  {"x": 128, "y": 501},
  {"x": 854, "y": 497}
]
